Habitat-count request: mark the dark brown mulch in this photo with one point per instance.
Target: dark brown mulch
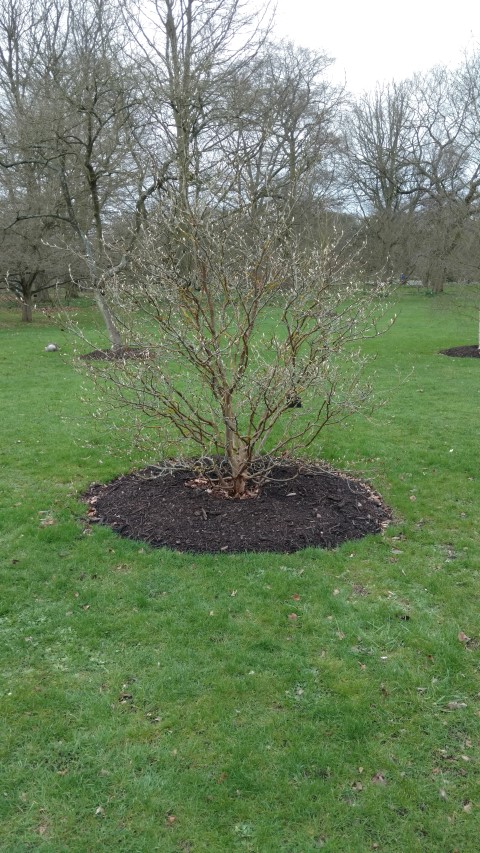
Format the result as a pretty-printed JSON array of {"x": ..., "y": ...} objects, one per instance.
[
  {"x": 116, "y": 354},
  {"x": 319, "y": 508},
  {"x": 462, "y": 352}
]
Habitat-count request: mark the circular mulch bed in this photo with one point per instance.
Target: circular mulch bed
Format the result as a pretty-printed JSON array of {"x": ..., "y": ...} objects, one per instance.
[
  {"x": 119, "y": 354},
  {"x": 462, "y": 352},
  {"x": 320, "y": 508}
]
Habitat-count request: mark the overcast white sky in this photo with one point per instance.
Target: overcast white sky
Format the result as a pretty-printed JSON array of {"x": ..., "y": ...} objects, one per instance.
[{"x": 375, "y": 40}]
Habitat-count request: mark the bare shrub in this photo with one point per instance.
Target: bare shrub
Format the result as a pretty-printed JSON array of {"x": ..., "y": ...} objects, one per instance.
[{"x": 252, "y": 341}]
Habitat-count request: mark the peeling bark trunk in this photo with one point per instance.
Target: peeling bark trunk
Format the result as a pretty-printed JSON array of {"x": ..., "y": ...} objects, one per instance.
[
  {"x": 236, "y": 452},
  {"x": 113, "y": 333}
]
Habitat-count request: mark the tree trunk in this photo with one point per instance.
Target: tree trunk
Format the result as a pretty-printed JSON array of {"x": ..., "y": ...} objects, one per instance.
[
  {"x": 27, "y": 297},
  {"x": 112, "y": 330},
  {"x": 437, "y": 275},
  {"x": 236, "y": 452},
  {"x": 27, "y": 311},
  {"x": 72, "y": 290}
]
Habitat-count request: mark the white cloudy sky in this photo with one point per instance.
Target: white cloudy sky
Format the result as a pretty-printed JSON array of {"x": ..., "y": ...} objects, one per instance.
[{"x": 375, "y": 40}]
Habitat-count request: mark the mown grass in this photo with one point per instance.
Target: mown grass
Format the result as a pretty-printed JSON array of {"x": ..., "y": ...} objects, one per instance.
[{"x": 267, "y": 703}]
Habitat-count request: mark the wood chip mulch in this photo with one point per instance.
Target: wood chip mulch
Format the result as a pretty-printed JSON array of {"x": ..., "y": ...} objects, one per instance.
[
  {"x": 119, "y": 354},
  {"x": 462, "y": 352},
  {"x": 319, "y": 507}
]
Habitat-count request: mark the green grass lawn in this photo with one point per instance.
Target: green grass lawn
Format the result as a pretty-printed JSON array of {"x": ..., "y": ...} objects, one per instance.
[{"x": 268, "y": 703}]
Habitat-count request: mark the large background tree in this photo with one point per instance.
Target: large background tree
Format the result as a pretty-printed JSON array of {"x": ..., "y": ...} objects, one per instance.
[
  {"x": 380, "y": 177},
  {"x": 31, "y": 42}
]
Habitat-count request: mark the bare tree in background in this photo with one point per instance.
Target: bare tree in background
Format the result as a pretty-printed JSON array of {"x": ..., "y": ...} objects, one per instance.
[
  {"x": 191, "y": 51},
  {"x": 73, "y": 115},
  {"x": 412, "y": 159},
  {"x": 379, "y": 174},
  {"x": 447, "y": 168},
  {"x": 283, "y": 114},
  {"x": 30, "y": 43},
  {"x": 94, "y": 100}
]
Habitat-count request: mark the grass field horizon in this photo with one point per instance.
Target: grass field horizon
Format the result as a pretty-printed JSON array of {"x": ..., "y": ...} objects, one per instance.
[{"x": 266, "y": 703}]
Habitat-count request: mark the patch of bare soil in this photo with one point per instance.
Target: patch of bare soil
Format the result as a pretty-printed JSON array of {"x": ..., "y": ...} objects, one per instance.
[
  {"x": 119, "y": 354},
  {"x": 462, "y": 352},
  {"x": 319, "y": 507}
]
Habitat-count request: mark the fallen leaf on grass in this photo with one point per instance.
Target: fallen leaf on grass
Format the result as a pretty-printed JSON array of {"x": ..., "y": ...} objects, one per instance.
[
  {"x": 467, "y": 807},
  {"x": 99, "y": 811},
  {"x": 125, "y": 697},
  {"x": 379, "y": 779},
  {"x": 463, "y": 637},
  {"x": 456, "y": 706},
  {"x": 296, "y": 596},
  {"x": 359, "y": 589},
  {"x": 170, "y": 819},
  {"x": 292, "y": 617}
]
